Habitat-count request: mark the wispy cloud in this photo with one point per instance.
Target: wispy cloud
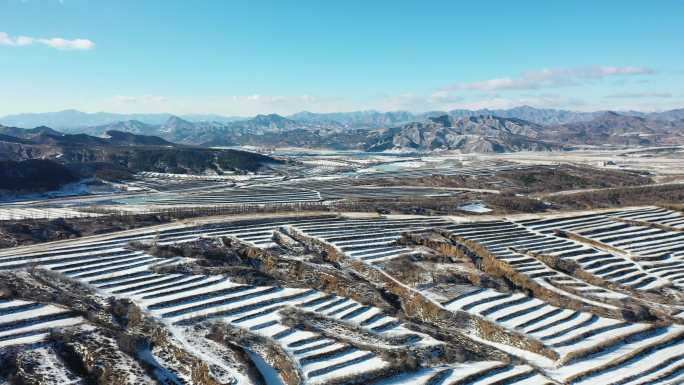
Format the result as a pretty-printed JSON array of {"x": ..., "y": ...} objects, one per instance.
[
  {"x": 443, "y": 96},
  {"x": 142, "y": 99},
  {"x": 548, "y": 78},
  {"x": 54, "y": 42},
  {"x": 274, "y": 99},
  {"x": 640, "y": 95},
  {"x": 244, "y": 105},
  {"x": 539, "y": 101}
]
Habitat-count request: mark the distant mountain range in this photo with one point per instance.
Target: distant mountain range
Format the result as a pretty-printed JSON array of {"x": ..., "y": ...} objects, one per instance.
[
  {"x": 69, "y": 120},
  {"x": 73, "y": 120},
  {"x": 459, "y": 130},
  {"x": 248, "y": 131}
]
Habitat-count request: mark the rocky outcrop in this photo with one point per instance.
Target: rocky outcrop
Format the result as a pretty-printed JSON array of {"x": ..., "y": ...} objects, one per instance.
[
  {"x": 50, "y": 287},
  {"x": 95, "y": 355},
  {"x": 399, "y": 347},
  {"x": 300, "y": 273},
  {"x": 269, "y": 350}
]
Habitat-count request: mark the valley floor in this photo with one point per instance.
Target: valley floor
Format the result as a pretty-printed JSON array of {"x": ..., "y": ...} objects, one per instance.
[{"x": 441, "y": 269}]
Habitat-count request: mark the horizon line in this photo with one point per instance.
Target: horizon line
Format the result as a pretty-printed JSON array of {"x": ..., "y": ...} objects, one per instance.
[{"x": 336, "y": 112}]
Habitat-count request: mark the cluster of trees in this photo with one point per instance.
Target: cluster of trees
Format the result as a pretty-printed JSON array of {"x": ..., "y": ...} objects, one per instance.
[
  {"x": 567, "y": 177},
  {"x": 188, "y": 160},
  {"x": 117, "y": 163},
  {"x": 623, "y": 196},
  {"x": 528, "y": 180},
  {"x": 34, "y": 175}
]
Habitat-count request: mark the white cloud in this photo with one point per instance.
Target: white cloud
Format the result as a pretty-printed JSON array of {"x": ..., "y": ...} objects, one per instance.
[
  {"x": 75, "y": 44},
  {"x": 143, "y": 99},
  {"x": 242, "y": 105},
  {"x": 547, "y": 78},
  {"x": 274, "y": 99},
  {"x": 444, "y": 96},
  {"x": 539, "y": 101},
  {"x": 54, "y": 42}
]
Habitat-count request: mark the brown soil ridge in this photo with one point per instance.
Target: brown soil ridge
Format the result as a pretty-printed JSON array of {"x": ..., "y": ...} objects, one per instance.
[{"x": 422, "y": 309}]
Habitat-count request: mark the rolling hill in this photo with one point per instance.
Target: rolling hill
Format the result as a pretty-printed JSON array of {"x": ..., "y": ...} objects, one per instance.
[{"x": 122, "y": 151}]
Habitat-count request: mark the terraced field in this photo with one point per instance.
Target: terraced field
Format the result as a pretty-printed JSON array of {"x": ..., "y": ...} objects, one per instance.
[
  {"x": 294, "y": 187},
  {"x": 302, "y": 188},
  {"x": 614, "y": 319},
  {"x": 24, "y": 322},
  {"x": 593, "y": 346},
  {"x": 16, "y": 213},
  {"x": 156, "y": 182},
  {"x": 643, "y": 247},
  {"x": 369, "y": 240},
  {"x": 512, "y": 244},
  {"x": 484, "y": 168},
  {"x": 321, "y": 358},
  {"x": 235, "y": 196}
]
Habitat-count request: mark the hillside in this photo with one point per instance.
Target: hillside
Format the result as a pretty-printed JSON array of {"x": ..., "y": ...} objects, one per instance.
[
  {"x": 614, "y": 128},
  {"x": 187, "y": 160},
  {"x": 677, "y": 114},
  {"x": 581, "y": 298},
  {"x": 469, "y": 134},
  {"x": 117, "y": 149},
  {"x": 27, "y": 133},
  {"x": 34, "y": 175}
]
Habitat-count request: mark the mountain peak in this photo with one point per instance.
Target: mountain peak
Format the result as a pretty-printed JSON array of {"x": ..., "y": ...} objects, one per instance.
[
  {"x": 611, "y": 114},
  {"x": 173, "y": 119},
  {"x": 444, "y": 120},
  {"x": 524, "y": 107},
  {"x": 270, "y": 117},
  {"x": 120, "y": 137}
]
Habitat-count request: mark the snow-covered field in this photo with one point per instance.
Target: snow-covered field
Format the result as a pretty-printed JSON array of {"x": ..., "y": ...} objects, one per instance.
[
  {"x": 591, "y": 346},
  {"x": 9, "y": 213},
  {"x": 475, "y": 207},
  {"x": 648, "y": 256},
  {"x": 24, "y": 322}
]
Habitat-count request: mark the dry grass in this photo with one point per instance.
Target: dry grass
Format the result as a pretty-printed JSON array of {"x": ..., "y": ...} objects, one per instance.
[{"x": 663, "y": 195}]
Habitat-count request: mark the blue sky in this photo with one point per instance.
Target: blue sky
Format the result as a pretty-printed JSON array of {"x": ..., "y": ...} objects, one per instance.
[{"x": 248, "y": 57}]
